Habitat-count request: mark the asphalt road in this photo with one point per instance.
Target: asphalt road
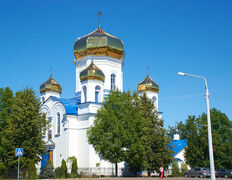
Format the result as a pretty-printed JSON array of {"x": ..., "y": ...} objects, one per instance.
[{"x": 147, "y": 178}]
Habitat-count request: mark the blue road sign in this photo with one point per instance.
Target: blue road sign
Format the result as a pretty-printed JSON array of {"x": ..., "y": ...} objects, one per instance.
[{"x": 19, "y": 152}]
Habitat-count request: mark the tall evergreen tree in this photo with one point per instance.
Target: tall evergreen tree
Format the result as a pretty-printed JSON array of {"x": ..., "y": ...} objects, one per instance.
[
  {"x": 64, "y": 169},
  {"x": 24, "y": 129}
]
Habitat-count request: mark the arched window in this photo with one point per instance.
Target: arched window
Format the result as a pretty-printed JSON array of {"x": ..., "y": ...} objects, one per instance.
[
  {"x": 58, "y": 123},
  {"x": 154, "y": 99},
  {"x": 85, "y": 93},
  {"x": 97, "y": 92},
  {"x": 49, "y": 134},
  {"x": 113, "y": 86}
]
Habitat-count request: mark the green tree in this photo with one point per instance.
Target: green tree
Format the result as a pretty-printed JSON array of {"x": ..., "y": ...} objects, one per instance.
[
  {"x": 195, "y": 131},
  {"x": 74, "y": 167},
  {"x": 6, "y": 101},
  {"x": 23, "y": 128},
  {"x": 116, "y": 129},
  {"x": 127, "y": 128},
  {"x": 154, "y": 139}
]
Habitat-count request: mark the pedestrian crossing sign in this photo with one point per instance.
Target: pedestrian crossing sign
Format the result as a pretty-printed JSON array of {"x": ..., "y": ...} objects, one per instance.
[{"x": 19, "y": 152}]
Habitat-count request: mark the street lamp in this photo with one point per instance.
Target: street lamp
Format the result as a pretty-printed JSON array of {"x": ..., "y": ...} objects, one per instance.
[{"x": 212, "y": 172}]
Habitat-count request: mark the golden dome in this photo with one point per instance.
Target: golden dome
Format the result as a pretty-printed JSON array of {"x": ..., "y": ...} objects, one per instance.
[
  {"x": 92, "y": 72},
  {"x": 148, "y": 85},
  {"x": 51, "y": 86},
  {"x": 98, "y": 43}
]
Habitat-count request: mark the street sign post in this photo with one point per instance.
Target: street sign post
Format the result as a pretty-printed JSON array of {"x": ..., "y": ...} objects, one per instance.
[{"x": 18, "y": 153}]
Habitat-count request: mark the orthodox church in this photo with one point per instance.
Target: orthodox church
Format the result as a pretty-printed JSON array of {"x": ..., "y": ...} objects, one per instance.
[{"x": 99, "y": 60}]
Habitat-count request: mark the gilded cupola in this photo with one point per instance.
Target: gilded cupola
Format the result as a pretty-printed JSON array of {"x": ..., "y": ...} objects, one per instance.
[
  {"x": 148, "y": 85},
  {"x": 98, "y": 43},
  {"x": 50, "y": 86},
  {"x": 92, "y": 72}
]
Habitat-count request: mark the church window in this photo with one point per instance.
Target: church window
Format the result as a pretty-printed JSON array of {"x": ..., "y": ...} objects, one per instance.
[
  {"x": 113, "y": 86},
  {"x": 154, "y": 99},
  {"x": 97, "y": 92},
  {"x": 49, "y": 134},
  {"x": 85, "y": 93},
  {"x": 58, "y": 123}
]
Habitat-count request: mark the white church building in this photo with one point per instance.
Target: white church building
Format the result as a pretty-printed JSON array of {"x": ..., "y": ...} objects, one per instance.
[{"x": 99, "y": 60}]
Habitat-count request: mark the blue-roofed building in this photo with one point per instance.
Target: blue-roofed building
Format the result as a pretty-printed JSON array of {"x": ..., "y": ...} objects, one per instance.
[{"x": 178, "y": 146}]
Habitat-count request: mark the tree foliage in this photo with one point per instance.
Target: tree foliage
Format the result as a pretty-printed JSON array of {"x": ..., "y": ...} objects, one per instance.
[
  {"x": 175, "y": 169},
  {"x": 62, "y": 171},
  {"x": 110, "y": 133},
  {"x": 195, "y": 131},
  {"x": 48, "y": 171},
  {"x": 74, "y": 167},
  {"x": 31, "y": 171},
  {"x": 128, "y": 129},
  {"x": 155, "y": 141},
  {"x": 6, "y": 101},
  {"x": 64, "y": 168},
  {"x": 23, "y": 124}
]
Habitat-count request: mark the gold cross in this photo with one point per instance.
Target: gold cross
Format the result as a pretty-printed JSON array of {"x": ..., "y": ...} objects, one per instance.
[
  {"x": 148, "y": 70},
  {"x": 99, "y": 14},
  {"x": 51, "y": 70}
]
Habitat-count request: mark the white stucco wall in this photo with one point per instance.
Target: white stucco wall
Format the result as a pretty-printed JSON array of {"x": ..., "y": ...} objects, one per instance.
[{"x": 51, "y": 108}]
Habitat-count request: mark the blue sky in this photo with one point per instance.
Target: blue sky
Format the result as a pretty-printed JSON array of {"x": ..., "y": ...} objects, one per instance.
[{"x": 169, "y": 36}]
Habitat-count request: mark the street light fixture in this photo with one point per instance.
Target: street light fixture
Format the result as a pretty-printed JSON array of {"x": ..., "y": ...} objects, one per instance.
[{"x": 212, "y": 172}]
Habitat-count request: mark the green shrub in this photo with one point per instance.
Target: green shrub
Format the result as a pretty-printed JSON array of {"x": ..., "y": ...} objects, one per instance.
[
  {"x": 59, "y": 172},
  {"x": 3, "y": 171},
  {"x": 48, "y": 171},
  {"x": 32, "y": 173},
  {"x": 184, "y": 167},
  {"x": 175, "y": 169},
  {"x": 74, "y": 168},
  {"x": 64, "y": 169}
]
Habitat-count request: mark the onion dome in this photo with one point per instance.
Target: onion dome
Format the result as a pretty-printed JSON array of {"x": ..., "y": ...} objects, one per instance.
[
  {"x": 98, "y": 43},
  {"x": 92, "y": 72},
  {"x": 51, "y": 86},
  {"x": 148, "y": 85}
]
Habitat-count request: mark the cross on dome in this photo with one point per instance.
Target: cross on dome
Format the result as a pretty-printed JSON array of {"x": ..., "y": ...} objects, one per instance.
[{"x": 99, "y": 22}]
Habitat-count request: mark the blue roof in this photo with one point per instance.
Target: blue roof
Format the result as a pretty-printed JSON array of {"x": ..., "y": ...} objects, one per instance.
[
  {"x": 70, "y": 105},
  {"x": 178, "y": 145},
  {"x": 178, "y": 159}
]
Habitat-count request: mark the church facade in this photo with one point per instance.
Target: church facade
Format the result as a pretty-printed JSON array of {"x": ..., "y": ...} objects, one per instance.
[{"x": 99, "y": 60}]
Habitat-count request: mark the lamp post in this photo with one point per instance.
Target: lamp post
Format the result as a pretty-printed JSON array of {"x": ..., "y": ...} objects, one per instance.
[{"x": 212, "y": 172}]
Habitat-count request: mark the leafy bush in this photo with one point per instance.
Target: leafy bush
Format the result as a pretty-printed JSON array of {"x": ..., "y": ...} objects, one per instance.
[
  {"x": 3, "y": 171},
  {"x": 32, "y": 174},
  {"x": 175, "y": 169},
  {"x": 184, "y": 167},
  {"x": 59, "y": 172},
  {"x": 62, "y": 171},
  {"x": 48, "y": 171}
]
